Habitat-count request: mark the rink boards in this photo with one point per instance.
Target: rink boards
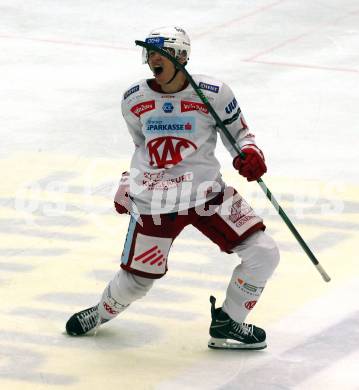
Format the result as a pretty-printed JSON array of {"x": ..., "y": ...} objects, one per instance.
[{"x": 61, "y": 241}]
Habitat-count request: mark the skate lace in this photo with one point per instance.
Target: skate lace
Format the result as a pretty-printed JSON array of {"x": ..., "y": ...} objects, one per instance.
[
  {"x": 242, "y": 328},
  {"x": 89, "y": 319}
]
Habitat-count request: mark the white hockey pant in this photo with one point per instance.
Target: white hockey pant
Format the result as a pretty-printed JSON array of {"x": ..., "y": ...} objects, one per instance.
[
  {"x": 260, "y": 257},
  {"x": 122, "y": 290}
]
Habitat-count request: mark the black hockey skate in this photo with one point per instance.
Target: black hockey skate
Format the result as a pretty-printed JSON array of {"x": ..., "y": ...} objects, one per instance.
[
  {"x": 228, "y": 334},
  {"x": 84, "y": 321}
]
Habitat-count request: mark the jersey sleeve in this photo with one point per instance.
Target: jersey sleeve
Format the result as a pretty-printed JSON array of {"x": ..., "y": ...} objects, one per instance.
[
  {"x": 133, "y": 123},
  {"x": 232, "y": 117}
]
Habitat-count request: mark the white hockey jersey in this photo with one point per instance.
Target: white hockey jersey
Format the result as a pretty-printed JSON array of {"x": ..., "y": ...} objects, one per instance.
[{"x": 174, "y": 167}]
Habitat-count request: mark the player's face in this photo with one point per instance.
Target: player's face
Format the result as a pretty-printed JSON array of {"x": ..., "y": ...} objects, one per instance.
[{"x": 162, "y": 67}]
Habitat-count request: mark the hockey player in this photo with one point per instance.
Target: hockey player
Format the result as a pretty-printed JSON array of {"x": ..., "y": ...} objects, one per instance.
[{"x": 175, "y": 181}]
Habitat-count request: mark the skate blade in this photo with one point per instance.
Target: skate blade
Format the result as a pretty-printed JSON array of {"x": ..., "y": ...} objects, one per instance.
[{"x": 234, "y": 344}]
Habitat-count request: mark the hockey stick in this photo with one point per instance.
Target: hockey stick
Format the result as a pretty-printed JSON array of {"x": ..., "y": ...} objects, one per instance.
[{"x": 232, "y": 141}]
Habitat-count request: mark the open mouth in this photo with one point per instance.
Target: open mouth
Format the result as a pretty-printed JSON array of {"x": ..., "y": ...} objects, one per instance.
[{"x": 157, "y": 70}]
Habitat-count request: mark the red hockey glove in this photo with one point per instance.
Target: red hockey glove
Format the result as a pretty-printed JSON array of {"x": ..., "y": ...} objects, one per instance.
[
  {"x": 122, "y": 199},
  {"x": 252, "y": 166}
]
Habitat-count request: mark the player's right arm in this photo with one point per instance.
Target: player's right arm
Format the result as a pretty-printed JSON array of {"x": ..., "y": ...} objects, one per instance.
[
  {"x": 123, "y": 201},
  {"x": 132, "y": 121}
]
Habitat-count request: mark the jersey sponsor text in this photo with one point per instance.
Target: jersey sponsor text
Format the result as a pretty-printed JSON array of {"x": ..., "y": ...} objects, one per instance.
[
  {"x": 131, "y": 91},
  {"x": 143, "y": 107},
  {"x": 193, "y": 106},
  {"x": 170, "y": 124},
  {"x": 209, "y": 87}
]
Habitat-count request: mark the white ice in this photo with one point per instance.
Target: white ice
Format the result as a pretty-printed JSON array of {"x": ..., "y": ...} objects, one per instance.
[{"x": 294, "y": 67}]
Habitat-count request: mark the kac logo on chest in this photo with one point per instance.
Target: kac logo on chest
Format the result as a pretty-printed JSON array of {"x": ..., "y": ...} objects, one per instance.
[
  {"x": 165, "y": 152},
  {"x": 167, "y": 107}
]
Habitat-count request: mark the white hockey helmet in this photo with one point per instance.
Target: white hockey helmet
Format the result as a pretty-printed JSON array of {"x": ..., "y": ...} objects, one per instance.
[{"x": 174, "y": 39}]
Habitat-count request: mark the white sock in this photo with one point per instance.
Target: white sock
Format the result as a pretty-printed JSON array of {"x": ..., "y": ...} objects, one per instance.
[
  {"x": 121, "y": 291},
  {"x": 242, "y": 295},
  {"x": 260, "y": 257}
]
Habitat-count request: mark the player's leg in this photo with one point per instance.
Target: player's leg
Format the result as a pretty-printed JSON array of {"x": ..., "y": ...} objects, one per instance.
[
  {"x": 120, "y": 292},
  {"x": 144, "y": 259},
  {"x": 235, "y": 228},
  {"x": 260, "y": 256}
]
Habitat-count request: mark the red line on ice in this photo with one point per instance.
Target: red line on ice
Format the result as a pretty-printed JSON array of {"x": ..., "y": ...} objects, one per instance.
[
  {"x": 308, "y": 66},
  {"x": 68, "y": 43},
  {"x": 239, "y": 19}
]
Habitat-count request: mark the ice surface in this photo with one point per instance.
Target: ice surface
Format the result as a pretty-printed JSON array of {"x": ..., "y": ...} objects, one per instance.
[{"x": 294, "y": 67}]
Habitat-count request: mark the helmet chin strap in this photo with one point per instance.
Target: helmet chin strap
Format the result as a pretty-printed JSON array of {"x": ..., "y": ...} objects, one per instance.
[
  {"x": 175, "y": 74},
  {"x": 173, "y": 77}
]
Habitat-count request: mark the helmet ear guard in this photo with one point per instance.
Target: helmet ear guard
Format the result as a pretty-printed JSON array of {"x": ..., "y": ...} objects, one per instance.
[{"x": 182, "y": 57}]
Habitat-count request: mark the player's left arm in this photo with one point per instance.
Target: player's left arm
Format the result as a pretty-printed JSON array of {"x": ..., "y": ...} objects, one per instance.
[{"x": 253, "y": 165}]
